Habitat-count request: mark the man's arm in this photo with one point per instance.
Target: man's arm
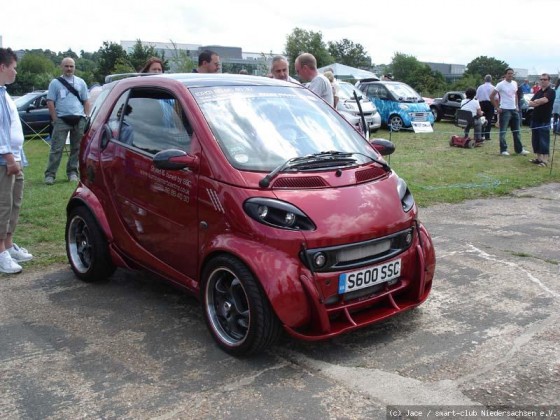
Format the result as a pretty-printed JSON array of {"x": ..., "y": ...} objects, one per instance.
[
  {"x": 87, "y": 107},
  {"x": 494, "y": 98},
  {"x": 52, "y": 110}
]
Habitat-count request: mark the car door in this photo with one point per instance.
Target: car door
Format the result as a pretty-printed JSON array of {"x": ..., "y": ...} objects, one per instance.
[
  {"x": 35, "y": 115},
  {"x": 380, "y": 96},
  {"x": 156, "y": 210}
]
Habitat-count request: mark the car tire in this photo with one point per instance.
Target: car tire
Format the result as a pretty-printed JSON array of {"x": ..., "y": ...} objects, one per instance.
[
  {"x": 435, "y": 113},
  {"x": 396, "y": 123},
  {"x": 86, "y": 247},
  {"x": 237, "y": 312}
]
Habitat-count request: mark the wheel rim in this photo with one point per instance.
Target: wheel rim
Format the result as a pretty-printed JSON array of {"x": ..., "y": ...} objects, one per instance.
[
  {"x": 79, "y": 244},
  {"x": 227, "y": 307},
  {"x": 396, "y": 123}
]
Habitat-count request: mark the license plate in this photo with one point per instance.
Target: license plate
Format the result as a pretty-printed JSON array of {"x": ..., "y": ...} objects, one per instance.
[{"x": 360, "y": 279}]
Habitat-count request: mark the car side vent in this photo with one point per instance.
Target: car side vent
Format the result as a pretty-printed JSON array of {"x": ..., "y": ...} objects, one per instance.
[
  {"x": 296, "y": 183},
  {"x": 369, "y": 174}
]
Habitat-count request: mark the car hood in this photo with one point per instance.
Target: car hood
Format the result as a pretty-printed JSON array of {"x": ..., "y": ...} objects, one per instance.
[{"x": 352, "y": 214}]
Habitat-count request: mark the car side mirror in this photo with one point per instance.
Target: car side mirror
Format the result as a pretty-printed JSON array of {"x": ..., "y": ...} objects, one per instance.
[
  {"x": 174, "y": 159},
  {"x": 382, "y": 146}
]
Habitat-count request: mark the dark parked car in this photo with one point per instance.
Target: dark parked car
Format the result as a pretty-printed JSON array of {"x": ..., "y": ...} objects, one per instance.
[
  {"x": 447, "y": 106},
  {"x": 526, "y": 110},
  {"x": 254, "y": 195},
  {"x": 33, "y": 112}
]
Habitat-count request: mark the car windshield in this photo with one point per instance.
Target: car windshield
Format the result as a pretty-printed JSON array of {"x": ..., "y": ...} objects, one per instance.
[
  {"x": 22, "y": 100},
  {"x": 261, "y": 127},
  {"x": 404, "y": 93},
  {"x": 347, "y": 90}
]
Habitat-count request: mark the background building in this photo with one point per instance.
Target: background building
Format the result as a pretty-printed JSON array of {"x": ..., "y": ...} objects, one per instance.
[{"x": 232, "y": 59}]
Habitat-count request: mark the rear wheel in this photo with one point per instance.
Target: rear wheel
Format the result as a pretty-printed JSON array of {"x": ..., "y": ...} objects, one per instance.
[
  {"x": 86, "y": 247},
  {"x": 236, "y": 309}
]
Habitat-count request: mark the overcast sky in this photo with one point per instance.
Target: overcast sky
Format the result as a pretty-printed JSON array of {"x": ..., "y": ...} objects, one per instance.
[{"x": 523, "y": 33}]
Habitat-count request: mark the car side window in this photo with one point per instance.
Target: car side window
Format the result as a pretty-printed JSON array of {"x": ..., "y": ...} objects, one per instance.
[{"x": 151, "y": 120}]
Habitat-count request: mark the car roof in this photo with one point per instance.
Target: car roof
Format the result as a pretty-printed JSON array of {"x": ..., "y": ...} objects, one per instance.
[{"x": 213, "y": 79}]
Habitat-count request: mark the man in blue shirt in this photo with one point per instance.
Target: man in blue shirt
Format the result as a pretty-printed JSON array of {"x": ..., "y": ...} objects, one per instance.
[
  {"x": 526, "y": 87},
  {"x": 68, "y": 103}
]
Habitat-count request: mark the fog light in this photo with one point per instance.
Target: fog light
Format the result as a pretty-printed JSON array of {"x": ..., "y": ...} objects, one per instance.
[
  {"x": 319, "y": 259},
  {"x": 408, "y": 238}
]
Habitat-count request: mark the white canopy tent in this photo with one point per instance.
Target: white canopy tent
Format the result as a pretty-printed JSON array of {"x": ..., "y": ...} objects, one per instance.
[{"x": 344, "y": 72}]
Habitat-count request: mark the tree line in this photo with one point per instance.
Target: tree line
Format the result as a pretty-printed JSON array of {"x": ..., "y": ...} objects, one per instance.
[{"x": 38, "y": 67}]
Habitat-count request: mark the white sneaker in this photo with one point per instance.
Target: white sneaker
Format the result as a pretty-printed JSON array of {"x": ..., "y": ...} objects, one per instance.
[
  {"x": 523, "y": 152},
  {"x": 7, "y": 265},
  {"x": 505, "y": 153},
  {"x": 19, "y": 254}
]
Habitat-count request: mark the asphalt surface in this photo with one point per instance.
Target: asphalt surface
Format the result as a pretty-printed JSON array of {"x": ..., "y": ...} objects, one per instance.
[{"x": 134, "y": 347}]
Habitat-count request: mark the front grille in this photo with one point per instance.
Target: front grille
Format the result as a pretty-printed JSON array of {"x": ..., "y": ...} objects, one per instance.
[
  {"x": 420, "y": 116},
  {"x": 359, "y": 254},
  {"x": 300, "y": 183}
]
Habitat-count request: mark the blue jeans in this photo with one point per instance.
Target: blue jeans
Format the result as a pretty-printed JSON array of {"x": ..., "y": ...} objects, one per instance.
[
  {"x": 540, "y": 137},
  {"x": 510, "y": 118}
]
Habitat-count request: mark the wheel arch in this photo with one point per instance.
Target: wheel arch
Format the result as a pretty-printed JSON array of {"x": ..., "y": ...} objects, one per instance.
[
  {"x": 84, "y": 197},
  {"x": 286, "y": 295}
]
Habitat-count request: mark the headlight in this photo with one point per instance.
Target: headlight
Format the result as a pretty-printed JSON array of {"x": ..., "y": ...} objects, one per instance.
[
  {"x": 404, "y": 107},
  {"x": 349, "y": 105},
  {"x": 278, "y": 214},
  {"x": 405, "y": 195}
]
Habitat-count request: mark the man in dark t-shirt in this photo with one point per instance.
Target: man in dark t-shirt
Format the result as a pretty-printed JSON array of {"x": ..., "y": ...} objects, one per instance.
[{"x": 540, "y": 121}]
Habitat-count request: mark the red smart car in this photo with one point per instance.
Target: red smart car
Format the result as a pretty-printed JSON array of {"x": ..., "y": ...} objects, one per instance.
[{"x": 254, "y": 195}]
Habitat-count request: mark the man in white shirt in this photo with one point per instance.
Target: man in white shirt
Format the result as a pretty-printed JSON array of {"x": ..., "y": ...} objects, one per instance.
[
  {"x": 306, "y": 67},
  {"x": 504, "y": 97},
  {"x": 12, "y": 160},
  {"x": 483, "y": 95}
]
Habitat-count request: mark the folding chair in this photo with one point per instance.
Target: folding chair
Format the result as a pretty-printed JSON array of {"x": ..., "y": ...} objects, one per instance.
[
  {"x": 465, "y": 120},
  {"x": 41, "y": 134}
]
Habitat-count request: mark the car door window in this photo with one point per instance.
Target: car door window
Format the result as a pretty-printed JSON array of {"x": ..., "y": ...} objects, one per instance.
[{"x": 151, "y": 120}]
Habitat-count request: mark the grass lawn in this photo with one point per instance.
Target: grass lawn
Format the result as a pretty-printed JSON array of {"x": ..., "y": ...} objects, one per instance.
[{"x": 435, "y": 172}]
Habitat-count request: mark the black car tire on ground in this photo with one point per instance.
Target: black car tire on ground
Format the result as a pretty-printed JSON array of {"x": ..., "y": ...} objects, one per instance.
[
  {"x": 235, "y": 308},
  {"x": 86, "y": 247}
]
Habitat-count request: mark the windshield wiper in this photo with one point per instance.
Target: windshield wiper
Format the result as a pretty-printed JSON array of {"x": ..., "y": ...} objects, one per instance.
[{"x": 316, "y": 160}]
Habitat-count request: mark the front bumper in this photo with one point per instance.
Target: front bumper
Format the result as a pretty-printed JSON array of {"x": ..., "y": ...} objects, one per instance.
[{"x": 332, "y": 315}]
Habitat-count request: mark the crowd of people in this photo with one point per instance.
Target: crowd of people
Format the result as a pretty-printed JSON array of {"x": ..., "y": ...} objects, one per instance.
[
  {"x": 68, "y": 101},
  {"x": 505, "y": 100}
]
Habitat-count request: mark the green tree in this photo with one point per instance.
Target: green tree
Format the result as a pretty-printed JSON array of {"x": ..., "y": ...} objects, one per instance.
[
  {"x": 35, "y": 71},
  {"x": 111, "y": 56},
  {"x": 350, "y": 54},
  {"x": 141, "y": 53},
  {"x": 302, "y": 41},
  {"x": 483, "y": 65},
  {"x": 467, "y": 81},
  {"x": 408, "y": 69},
  {"x": 182, "y": 62}
]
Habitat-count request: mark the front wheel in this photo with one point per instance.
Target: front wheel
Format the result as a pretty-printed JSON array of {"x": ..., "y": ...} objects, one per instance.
[
  {"x": 236, "y": 309},
  {"x": 86, "y": 247},
  {"x": 396, "y": 123},
  {"x": 435, "y": 113}
]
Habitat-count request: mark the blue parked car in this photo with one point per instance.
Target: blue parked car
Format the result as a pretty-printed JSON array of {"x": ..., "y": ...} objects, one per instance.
[{"x": 398, "y": 104}]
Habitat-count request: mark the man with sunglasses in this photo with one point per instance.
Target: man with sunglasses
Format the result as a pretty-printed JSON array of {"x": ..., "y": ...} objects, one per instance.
[{"x": 542, "y": 103}]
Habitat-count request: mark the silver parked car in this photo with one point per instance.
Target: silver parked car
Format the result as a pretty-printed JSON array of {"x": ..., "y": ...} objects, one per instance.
[{"x": 348, "y": 107}]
